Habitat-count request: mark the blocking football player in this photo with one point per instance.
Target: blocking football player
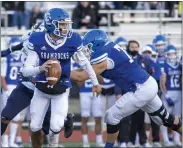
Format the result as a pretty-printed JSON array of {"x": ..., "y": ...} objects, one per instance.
[
  {"x": 112, "y": 62},
  {"x": 61, "y": 43}
]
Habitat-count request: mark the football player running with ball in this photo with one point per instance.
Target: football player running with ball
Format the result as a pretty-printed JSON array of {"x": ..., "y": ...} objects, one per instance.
[
  {"x": 112, "y": 62},
  {"x": 61, "y": 43}
]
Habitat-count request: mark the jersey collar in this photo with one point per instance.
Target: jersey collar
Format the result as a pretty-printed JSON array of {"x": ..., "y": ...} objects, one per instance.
[{"x": 49, "y": 42}]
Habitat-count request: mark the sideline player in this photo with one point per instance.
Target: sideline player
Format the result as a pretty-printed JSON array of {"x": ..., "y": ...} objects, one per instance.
[
  {"x": 90, "y": 106},
  {"x": 171, "y": 87},
  {"x": 10, "y": 68},
  {"x": 61, "y": 43},
  {"x": 160, "y": 43},
  {"x": 112, "y": 62},
  {"x": 25, "y": 89}
]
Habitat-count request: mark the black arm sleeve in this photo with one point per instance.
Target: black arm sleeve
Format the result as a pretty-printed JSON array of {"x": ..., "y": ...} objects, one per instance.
[{"x": 17, "y": 47}]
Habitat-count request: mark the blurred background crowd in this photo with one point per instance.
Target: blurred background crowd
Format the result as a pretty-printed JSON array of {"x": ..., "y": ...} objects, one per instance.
[{"x": 25, "y": 14}]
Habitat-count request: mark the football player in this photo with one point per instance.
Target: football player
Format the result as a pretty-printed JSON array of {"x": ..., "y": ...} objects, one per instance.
[
  {"x": 171, "y": 87},
  {"x": 112, "y": 62},
  {"x": 122, "y": 42},
  {"x": 61, "y": 43},
  {"x": 25, "y": 89},
  {"x": 10, "y": 68},
  {"x": 90, "y": 106},
  {"x": 160, "y": 43}
]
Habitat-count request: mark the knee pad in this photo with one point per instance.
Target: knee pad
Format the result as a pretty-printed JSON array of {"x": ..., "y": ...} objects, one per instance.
[
  {"x": 111, "y": 129},
  {"x": 162, "y": 117}
]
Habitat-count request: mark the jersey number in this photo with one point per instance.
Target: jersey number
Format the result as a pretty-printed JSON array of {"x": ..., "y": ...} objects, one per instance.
[
  {"x": 174, "y": 80},
  {"x": 13, "y": 73},
  {"x": 122, "y": 50}
]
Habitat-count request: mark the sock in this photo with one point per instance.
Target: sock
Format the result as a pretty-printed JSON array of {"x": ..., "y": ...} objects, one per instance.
[
  {"x": 5, "y": 139},
  {"x": 53, "y": 140},
  {"x": 137, "y": 139},
  {"x": 3, "y": 128},
  {"x": 13, "y": 131},
  {"x": 109, "y": 145},
  {"x": 176, "y": 136},
  {"x": 30, "y": 139},
  {"x": 19, "y": 139},
  {"x": 99, "y": 139},
  {"x": 147, "y": 134},
  {"x": 164, "y": 133},
  {"x": 85, "y": 138}
]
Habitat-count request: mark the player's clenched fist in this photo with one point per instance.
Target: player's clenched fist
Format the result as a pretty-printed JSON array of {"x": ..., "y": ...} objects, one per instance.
[
  {"x": 45, "y": 66},
  {"x": 96, "y": 90}
]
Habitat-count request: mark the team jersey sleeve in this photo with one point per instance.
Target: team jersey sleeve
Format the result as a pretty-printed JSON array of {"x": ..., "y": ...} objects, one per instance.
[
  {"x": 31, "y": 66},
  {"x": 3, "y": 67},
  {"x": 99, "y": 56},
  {"x": 81, "y": 59}
]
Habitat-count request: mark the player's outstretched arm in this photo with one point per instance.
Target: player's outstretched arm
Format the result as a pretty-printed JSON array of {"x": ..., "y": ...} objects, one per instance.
[{"x": 6, "y": 52}]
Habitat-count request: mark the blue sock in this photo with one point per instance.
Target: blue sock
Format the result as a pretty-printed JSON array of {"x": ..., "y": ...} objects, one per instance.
[
  {"x": 109, "y": 145},
  {"x": 3, "y": 128}
]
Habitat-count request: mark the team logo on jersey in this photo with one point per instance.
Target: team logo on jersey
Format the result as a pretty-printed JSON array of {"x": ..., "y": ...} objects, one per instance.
[
  {"x": 49, "y": 86},
  {"x": 43, "y": 48}
]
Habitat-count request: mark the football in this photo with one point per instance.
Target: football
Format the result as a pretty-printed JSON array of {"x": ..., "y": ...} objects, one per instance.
[{"x": 54, "y": 72}]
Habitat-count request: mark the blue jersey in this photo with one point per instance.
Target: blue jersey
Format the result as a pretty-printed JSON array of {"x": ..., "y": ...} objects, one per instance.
[
  {"x": 40, "y": 42},
  {"x": 161, "y": 60},
  {"x": 125, "y": 72},
  {"x": 108, "y": 83},
  {"x": 156, "y": 71},
  {"x": 13, "y": 67},
  {"x": 173, "y": 76}
]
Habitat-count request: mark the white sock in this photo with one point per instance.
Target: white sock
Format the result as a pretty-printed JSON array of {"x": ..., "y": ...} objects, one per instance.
[
  {"x": 99, "y": 139},
  {"x": 85, "y": 138},
  {"x": 53, "y": 140},
  {"x": 137, "y": 139},
  {"x": 13, "y": 131},
  {"x": 164, "y": 133},
  {"x": 5, "y": 139},
  {"x": 176, "y": 136},
  {"x": 147, "y": 134},
  {"x": 30, "y": 139},
  {"x": 19, "y": 139}
]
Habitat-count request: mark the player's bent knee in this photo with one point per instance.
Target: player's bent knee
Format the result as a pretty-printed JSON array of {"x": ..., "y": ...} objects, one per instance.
[
  {"x": 111, "y": 129},
  {"x": 109, "y": 119},
  {"x": 35, "y": 127},
  {"x": 162, "y": 117},
  {"x": 57, "y": 125}
]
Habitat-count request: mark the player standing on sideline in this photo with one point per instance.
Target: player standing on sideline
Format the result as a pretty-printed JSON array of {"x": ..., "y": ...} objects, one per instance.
[
  {"x": 160, "y": 43},
  {"x": 25, "y": 90},
  {"x": 171, "y": 87},
  {"x": 9, "y": 79},
  {"x": 122, "y": 42},
  {"x": 61, "y": 43},
  {"x": 90, "y": 106},
  {"x": 141, "y": 89}
]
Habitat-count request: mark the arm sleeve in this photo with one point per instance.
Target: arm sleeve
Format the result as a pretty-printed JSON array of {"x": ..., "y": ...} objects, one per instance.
[
  {"x": 80, "y": 58},
  {"x": 31, "y": 66},
  {"x": 3, "y": 67}
]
